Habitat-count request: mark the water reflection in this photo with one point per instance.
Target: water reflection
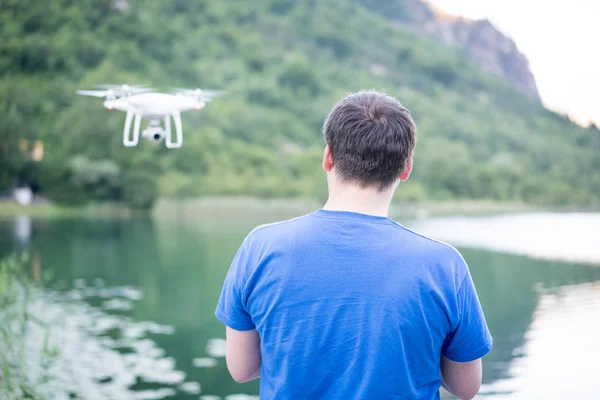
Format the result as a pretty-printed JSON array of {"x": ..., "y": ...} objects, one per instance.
[
  {"x": 567, "y": 236},
  {"x": 22, "y": 230},
  {"x": 511, "y": 288},
  {"x": 171, "y": 273},
  {"x": 96, "y": 355},
  {"x": 560, "y": 351}
]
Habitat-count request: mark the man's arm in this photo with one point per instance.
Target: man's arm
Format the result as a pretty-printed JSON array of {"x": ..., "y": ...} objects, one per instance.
[
  {"x": 462, "y": 379},
  {"x": 243, "y": 354},
  {"x": 466, "y": 343}
]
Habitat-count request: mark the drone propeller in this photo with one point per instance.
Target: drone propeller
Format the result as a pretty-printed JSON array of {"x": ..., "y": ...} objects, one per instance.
[
  {"x": 125, "y": 88},
  {"x": 117, "y": 85},
  {"x": 95, "y": 93},
  {"x": 112, "y": 91},
  {"x": 200, "y": 94}
]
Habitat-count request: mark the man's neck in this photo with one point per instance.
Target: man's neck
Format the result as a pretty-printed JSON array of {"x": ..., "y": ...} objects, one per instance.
[{"x": 359, "y": 200}]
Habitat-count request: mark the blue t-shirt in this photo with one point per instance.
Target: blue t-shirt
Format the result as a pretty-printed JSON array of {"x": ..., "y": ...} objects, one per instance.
[{"x": 352, "y": 306}]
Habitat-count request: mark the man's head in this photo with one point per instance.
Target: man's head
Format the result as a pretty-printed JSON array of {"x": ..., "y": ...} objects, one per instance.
[{"x": 370, "y": 140}]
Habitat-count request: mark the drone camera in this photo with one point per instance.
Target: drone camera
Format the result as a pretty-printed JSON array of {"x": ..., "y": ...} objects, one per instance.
[{"x": 154, "y": 134}]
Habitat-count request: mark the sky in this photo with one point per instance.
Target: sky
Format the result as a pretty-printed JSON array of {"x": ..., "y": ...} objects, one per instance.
[{"x": 561, "y": 40}]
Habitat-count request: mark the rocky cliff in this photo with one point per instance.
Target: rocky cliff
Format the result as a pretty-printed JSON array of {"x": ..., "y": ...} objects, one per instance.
[
  {"x": 491, "y": 49},
  {"x": 494, "y": 52}
]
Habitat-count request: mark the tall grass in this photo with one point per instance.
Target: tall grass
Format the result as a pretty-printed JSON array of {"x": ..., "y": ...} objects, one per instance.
[{"x": 16, "y": 293}]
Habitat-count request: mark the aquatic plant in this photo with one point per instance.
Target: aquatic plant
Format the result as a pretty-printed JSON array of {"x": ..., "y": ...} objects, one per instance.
[{"x": 16, "y": 292}]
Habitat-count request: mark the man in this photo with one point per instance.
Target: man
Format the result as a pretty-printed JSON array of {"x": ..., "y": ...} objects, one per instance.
[{"x": 345, "y": 303}]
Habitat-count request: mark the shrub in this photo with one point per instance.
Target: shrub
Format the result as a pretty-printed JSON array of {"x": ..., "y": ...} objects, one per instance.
[
  {"x": 99, "y": 179},
  {"x": 299, "y": 75},
  {"x": 139, "y": 190}
]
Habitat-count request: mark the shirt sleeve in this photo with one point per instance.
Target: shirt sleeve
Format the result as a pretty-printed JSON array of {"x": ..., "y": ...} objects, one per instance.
[
  {"x": 230, "y": 309},
  {"x": 470, "y": 339}
]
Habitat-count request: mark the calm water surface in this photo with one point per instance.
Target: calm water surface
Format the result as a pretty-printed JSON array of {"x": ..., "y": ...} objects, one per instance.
[{"x": 146, "y": 290}]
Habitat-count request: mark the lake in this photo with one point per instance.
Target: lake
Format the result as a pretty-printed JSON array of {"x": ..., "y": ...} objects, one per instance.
[{"x": 132, "y": 301}]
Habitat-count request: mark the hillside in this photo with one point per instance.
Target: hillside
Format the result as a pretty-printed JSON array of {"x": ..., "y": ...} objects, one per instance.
[{"x": 283, "y": 63}]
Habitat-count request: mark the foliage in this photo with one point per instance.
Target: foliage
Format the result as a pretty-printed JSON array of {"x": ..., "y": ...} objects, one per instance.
[
  {"x": 283, "y": 63},
  {"x": 140, "y": 190},
  {"x": 100, "y": 179}
]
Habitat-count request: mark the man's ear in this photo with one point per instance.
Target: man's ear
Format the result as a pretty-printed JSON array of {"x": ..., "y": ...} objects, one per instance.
[
  {"x": 327, "y": 159},
  {"x": 407, "y": 170}
]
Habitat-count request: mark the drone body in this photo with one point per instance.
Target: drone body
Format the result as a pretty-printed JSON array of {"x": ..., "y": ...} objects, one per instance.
[{"x": 144, "y": 103}]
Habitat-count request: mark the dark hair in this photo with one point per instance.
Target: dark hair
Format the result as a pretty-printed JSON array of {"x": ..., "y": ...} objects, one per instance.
[{"x": 371, "y": 137}]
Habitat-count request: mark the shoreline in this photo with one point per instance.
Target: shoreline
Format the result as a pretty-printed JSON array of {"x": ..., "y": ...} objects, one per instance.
[{"x": 251, "y": 207}]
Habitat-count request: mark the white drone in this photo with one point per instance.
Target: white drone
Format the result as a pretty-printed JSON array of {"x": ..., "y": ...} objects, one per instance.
[{"x": 144, "y": 103}]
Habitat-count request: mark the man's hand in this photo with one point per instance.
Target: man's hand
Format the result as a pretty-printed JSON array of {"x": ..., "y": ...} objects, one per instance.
[
  {"x": 462, "y": 379},
  {"x": 243, "y": 354}
]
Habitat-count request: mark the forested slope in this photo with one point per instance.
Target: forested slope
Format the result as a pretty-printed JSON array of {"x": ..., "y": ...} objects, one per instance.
[{"x": 284, "y": 63}]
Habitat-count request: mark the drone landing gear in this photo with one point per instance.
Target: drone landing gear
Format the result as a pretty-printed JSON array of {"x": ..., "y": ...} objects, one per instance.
[
  {"x": 178, "y": 131},
  {"x": 136, "y": 129},
  {"x": 133, "y": 141}
]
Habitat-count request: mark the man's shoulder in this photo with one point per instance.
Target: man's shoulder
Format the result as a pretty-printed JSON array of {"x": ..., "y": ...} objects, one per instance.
[
  {"x": 432, "y": 246},
  {"x": 434, "y": 255},
  {"x": 275, "y": 229}
]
